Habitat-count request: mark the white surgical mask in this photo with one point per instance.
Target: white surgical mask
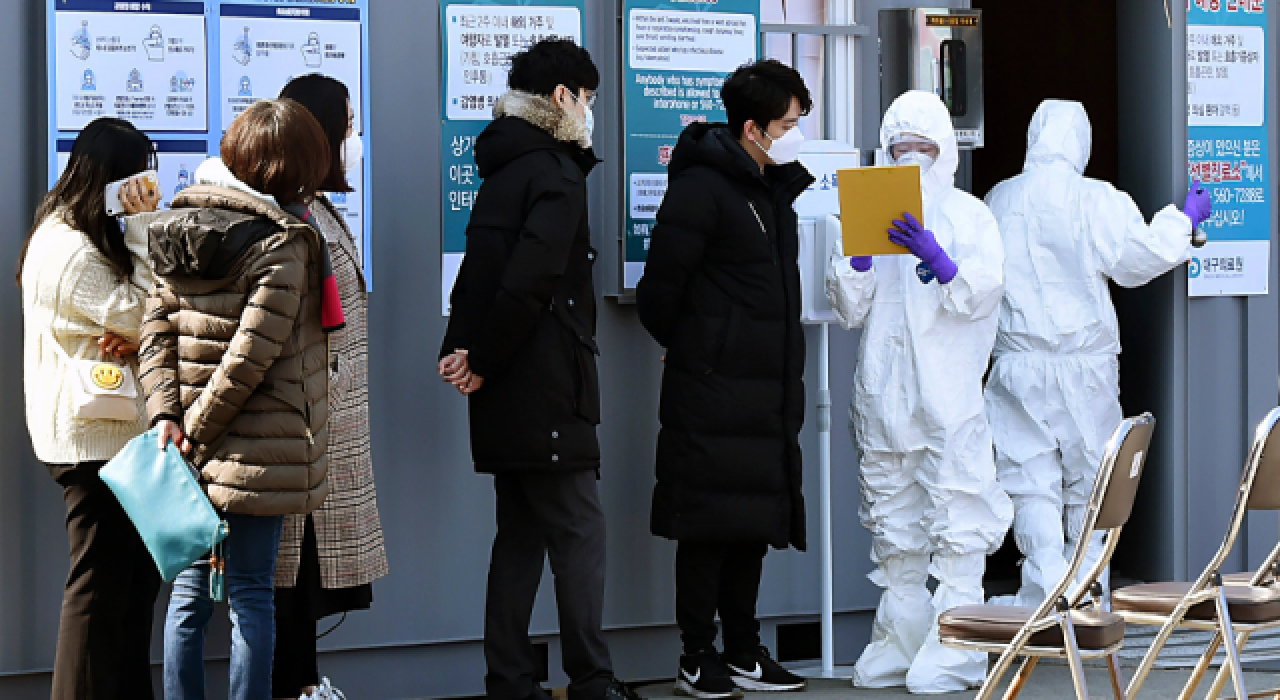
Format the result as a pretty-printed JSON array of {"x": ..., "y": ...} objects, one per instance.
[
  {"x": 352, "y": 152},
  {"x": 785, "y": 148},
  {"x": 924, "y": 160},
  {"x": 587, "y": 115}
]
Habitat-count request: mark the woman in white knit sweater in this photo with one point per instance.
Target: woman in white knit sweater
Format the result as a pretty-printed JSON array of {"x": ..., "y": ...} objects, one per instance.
[{"x": 84, "y": 279}]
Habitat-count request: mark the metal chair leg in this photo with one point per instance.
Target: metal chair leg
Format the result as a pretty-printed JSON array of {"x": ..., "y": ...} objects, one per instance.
[
  {"x": 1157, "y": 645},
  {"x": 1220, "y": 680},
  {"x": 1117, "y": 676},
  {"x": 1073, "y": 655},
  {"x": 1229, "y": 641},
  {"x": 1020, "y": 680},
  {"x": 1197, "y": 674},
  {"x": 988, "y": 688}
]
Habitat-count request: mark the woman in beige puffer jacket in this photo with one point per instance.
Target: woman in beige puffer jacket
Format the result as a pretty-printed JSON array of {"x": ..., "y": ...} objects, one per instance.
[{"x": 234, "y": 365}]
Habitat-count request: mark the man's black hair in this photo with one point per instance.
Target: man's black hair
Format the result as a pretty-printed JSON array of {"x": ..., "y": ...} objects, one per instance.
[
  {"x": 553, "y": 62},
  {"x": 762, "y": 92}
]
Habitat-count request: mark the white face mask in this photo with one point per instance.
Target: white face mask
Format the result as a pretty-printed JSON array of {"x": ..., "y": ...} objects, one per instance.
[
  {"x": 587, "y": 115},
  {"x": 785, "y": 148},
  {"x": 352, "y": 152},
  {"x": 924, "y": 160}
]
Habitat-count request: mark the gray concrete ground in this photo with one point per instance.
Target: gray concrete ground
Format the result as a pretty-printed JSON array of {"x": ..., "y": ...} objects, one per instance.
[{"x": 1049, "y": 681}]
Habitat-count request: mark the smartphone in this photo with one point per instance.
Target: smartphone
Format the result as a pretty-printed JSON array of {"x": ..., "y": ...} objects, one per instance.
[{"x": 114, "y": 206}]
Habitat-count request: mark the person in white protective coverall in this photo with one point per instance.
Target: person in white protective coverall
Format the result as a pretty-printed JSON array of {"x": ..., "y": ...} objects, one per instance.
[
  {"x": 929, "y": 492},
  {"x": 1053, "y": 395}
]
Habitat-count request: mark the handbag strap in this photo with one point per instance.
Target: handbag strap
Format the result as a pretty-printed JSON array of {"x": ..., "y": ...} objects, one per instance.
[{"x": 61, "y": 352}]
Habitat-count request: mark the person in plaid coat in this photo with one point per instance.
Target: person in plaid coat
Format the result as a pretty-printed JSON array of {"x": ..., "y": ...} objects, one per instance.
[{"x": 329, "y": 560}]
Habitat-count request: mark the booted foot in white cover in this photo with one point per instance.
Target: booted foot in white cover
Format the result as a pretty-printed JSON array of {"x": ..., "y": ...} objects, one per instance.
[
  {"x": 902, "y": 621},
  {"x": 938, "y": 669}
]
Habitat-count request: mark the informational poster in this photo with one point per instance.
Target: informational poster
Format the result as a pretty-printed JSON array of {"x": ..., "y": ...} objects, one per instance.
[
  {"x": 182, "y": 70},
  {"x": 263, "y": 44},
  {"x": 1227, "y": 97},
  {"x": 144, "y": 62},
  {"x": 478, "y": 39},
  {"x": 677, "y": 57}
]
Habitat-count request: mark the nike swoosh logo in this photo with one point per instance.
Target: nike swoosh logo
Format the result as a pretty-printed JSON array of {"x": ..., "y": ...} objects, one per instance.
[
  {"x": 693, "y": 679},
  {"x": 753, "y": 675}
]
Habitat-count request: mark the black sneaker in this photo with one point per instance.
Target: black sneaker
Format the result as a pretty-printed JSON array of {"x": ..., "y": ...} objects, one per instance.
[
  {"x": 759, "y": 672},
  {"x": 705, "y": 676},
  {"x": 618, "y": 690}
]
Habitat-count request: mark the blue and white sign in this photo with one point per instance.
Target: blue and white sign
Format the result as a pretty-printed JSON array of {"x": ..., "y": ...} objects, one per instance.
[
  {"x": 181, "y": 70},
  {"x": 678, "y": 54},
  {"x": 145, "y": 65},
  {"x": 1228, "y": 148}
]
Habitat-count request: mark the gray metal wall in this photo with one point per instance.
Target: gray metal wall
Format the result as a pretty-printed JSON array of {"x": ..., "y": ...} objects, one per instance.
[{"x": 1207, "y": 368}]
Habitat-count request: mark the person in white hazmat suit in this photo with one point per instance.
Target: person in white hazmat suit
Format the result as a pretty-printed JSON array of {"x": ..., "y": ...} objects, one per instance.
[
  {"x": 1053, "y": 395},
  {"x": 929, "y": 492}
]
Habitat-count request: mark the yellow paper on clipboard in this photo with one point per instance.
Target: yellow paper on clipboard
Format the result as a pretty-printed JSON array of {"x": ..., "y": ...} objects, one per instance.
[{"x": 871, "y": 199}]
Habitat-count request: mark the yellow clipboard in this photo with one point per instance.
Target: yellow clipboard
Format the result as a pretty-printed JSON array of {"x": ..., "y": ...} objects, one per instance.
[{"x": 871, "y": 199}]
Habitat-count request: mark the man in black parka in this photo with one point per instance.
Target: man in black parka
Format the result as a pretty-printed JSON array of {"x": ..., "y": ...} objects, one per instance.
[
  {"x": 521, "y": 345},
  {"x": 721, "y": 292}
]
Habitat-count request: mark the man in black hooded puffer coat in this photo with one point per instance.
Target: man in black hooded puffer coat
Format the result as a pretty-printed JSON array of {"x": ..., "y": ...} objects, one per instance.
[
  {"x": 721, "y": 292},
  {"x": 521, "y": 345}
]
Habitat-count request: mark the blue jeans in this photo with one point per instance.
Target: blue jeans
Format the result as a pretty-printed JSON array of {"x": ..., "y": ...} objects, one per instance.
[{"x": 251, "y": 548}]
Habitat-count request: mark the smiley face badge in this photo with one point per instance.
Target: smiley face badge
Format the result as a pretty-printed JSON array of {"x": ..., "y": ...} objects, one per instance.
[{"x": 107, "y": 376}]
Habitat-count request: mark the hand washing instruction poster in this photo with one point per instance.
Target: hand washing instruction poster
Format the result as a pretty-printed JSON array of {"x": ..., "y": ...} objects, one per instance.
[
  {"x": 677, "y": 57},
  {"x": 148, "y": 67},
  {"x": 182, "y": 70},
  {"x": 1228, "y": 148},
  {"x": 478, "y": 39}
]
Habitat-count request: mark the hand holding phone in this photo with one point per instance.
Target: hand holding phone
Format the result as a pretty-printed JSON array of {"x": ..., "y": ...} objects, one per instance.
[{"x": 134, "y": 194}]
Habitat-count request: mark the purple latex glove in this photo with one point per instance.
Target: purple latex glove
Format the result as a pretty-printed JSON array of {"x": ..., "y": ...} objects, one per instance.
[
  {"x": 860, "y": 263},
  {"x": 1199, "y": 205},
  {"x": 913, "y": 236}
]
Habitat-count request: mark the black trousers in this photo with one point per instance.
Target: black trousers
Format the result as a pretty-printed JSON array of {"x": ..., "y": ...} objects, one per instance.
[
  {"x": 104, "y": 634},
  {"x": 294, "y": 663},
  {"x": 541, "y": 515},
  {"x": 298, "y": 610},
  {"x": 718, "y": 577}
]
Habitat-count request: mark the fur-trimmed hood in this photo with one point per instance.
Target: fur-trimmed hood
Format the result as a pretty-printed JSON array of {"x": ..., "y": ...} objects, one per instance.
[
  {"x": 546, "y": 115},
  {"x": 524, "y": 124}
]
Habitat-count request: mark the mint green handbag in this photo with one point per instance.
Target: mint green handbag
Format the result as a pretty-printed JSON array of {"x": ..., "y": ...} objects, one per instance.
[{"x": 161, "y": 494}]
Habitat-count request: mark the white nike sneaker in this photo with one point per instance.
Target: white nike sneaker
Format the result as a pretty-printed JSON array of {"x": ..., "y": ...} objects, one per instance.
[{"x": 324, "y": 691}]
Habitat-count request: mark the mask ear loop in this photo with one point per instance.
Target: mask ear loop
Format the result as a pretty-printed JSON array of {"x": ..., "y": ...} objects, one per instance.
[{"x": 765, "y": 133}]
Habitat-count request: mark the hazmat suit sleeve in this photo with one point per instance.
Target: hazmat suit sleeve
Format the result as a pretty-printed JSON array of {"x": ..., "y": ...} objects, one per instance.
[
  {"x": 1129, "y": 251},
  {"x": 850, "y": 292},
  {"x": 978, "y": 287}
]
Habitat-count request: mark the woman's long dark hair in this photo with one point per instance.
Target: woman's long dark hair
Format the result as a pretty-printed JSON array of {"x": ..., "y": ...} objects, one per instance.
[
  {"x": 107, "y": 150},
  {"x": 327, "y": 100}
]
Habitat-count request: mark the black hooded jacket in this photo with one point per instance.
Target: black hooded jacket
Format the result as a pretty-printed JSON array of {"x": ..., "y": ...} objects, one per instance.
[
  {"x": 721, "y": 291},
  {"x": 524, "y": 301}
]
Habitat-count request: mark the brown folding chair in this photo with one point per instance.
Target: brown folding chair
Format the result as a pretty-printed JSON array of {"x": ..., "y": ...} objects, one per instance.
[
  {"x": 1066, "y": 625},
  {"x": 1231, "y": 611}
]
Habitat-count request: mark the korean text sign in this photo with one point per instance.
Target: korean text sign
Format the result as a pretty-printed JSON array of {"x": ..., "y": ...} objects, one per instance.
[
  {"x": 478, "y": 39},
  {"x": 1227, "y": 102}
]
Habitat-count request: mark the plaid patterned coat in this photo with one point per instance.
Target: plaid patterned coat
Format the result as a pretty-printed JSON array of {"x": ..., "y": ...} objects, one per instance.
[{"x": 348, "y": 529}]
